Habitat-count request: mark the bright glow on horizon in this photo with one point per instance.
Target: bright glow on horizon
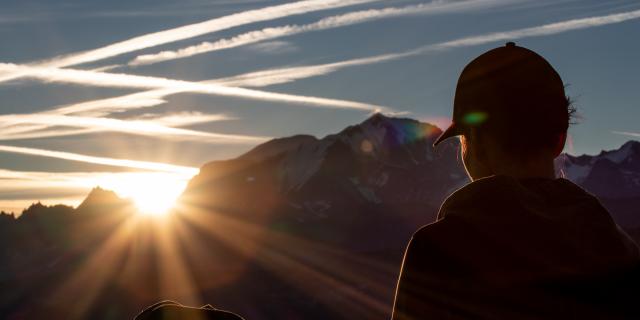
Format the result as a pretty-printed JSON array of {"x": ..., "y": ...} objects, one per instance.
[
  {"x": 153, "y": 193},
  {"x": 157, "y": 201}
]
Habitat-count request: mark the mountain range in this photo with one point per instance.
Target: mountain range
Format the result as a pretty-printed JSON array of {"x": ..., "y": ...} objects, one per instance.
[{"x": 298, "y": 227}]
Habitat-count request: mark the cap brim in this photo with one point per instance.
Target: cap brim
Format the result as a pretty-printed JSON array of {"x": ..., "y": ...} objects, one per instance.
[{"x": 452, "y": 131}]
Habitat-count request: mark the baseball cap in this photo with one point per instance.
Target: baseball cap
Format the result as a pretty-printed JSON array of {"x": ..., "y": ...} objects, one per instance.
[{"x": 510, "y": 90}]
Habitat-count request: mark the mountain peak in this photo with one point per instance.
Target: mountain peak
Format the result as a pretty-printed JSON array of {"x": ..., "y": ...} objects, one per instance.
[
  {"x": 98, "y": 193},
  {"x": 622, "y": 154},
  {"x": 400, "y": 130},
  {"x": 378, "y": 119},
  {"x": 101, "y": 198},
  {"x": 378, "y": 141},
  {"x": 631, "y": 145}
]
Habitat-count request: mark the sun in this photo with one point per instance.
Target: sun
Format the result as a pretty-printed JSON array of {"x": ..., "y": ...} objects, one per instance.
[
  {"x": 153, "y": 193},
  {"x": 155, "y": 201}
]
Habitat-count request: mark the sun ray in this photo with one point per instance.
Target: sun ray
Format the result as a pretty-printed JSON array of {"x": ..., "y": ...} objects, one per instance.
[
  {"x": 175, "y": 279},
  {"x": 310, "y": 267},
  {"x": 86, "y": 284}
]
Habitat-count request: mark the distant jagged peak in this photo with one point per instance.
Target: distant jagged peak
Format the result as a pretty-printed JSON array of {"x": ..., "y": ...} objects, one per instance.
[
  {"x": 5, "y": 214},
  {"x": 36, "y": 206},
  {"x": 627, "y": 150},
  {"x": 39, "y": 206},
  {"x": 99, "y": 197},
  {"x": 37, "y": 210},
  {"x": 578, "y": 168},
  {"x": 619, "y": 155},
  {"x": 98, "y": 193}
]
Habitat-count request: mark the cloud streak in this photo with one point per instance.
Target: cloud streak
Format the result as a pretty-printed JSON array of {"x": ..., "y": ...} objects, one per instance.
[
  {"x": 125, "y": 163},
  {"x": 331, "y": 22},
  {"x": 162, "y": 126},
  {"x": 187, "y": 32},
  {"x": 627, "y": 133},
  {"x": 284, "y": 75},
  {"x": 116, "y": 80}
]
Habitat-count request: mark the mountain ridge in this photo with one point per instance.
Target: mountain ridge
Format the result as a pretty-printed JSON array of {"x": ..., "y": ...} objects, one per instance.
[{"x": 300, "y": 156}]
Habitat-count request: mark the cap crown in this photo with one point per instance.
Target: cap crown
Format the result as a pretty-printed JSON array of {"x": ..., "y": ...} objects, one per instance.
[{"x": 511, "y": 90}]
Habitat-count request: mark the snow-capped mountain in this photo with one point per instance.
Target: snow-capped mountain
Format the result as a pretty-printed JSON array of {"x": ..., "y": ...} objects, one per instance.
[
  {"x": 383, "y": 167},
  {"x": 613, "y": 176},
  {"x": 382, "y": 171},
  {"x": 365, "y": 154},
  {"x": 610, "y": 174}
]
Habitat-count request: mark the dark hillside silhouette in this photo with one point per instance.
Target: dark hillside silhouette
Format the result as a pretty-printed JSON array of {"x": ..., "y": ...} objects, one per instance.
[{"x": 268, "y": 234}]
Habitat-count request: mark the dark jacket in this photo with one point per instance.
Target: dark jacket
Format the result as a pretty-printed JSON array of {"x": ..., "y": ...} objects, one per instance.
[{"x": 520, "y": 249}]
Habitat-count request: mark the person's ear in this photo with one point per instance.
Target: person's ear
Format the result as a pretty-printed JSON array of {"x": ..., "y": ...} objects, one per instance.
[{"x": 562, "y": 138}]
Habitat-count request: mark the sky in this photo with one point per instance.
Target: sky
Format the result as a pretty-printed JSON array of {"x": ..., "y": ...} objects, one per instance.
[{"x": 124, "y": 93}]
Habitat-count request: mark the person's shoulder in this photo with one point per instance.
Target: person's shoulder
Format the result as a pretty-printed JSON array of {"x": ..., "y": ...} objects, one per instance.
[
  {"x": 477, "y": 193},
  {"x": 499, "y": 191},
  {"x": 441, "y": 248},
  {"x": 481, "y": 187},
  {"x": 437, "y": 231}
]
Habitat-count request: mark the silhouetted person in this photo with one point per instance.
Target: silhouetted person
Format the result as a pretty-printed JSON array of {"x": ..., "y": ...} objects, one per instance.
[{"x": 516, "y": 243}]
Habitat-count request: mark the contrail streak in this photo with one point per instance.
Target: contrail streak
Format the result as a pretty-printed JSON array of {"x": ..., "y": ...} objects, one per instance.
[
  {"x": 101, "y": 79},
  {"x": 331, "y": 22},
  {"x": 187, "y": 32},
  {"x": 145, "y": 165},
  {"x": 138, "y": 127},
  {"x": 284, "y": 75},
  {"x": 49, "y": 133},
  {"x": 627, "y": 133},
  {"x": 101, "y": 107}
]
